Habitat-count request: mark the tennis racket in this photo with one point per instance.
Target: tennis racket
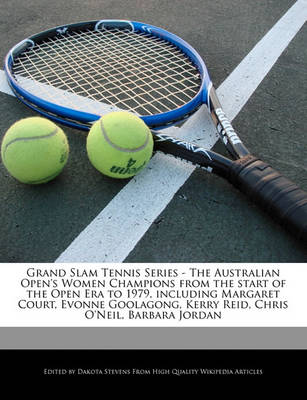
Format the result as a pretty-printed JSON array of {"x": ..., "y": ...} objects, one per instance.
[{"x": 76, "y": 73}]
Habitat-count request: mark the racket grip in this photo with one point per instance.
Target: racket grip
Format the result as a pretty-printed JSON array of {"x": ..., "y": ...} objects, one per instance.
[{"x": 274, "y": 193}]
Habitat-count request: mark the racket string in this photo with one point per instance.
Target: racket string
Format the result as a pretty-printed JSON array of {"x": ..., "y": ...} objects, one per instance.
[
  {"x": 82, "y": 55},
  {"x": 122, "y": 79},
  {"x": 138, "y": 72}
]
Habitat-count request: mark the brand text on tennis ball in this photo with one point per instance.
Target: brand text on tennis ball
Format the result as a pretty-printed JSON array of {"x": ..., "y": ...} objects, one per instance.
[
  {"x": 34, "y": 150},
  {"x": 119, "y": 145}
]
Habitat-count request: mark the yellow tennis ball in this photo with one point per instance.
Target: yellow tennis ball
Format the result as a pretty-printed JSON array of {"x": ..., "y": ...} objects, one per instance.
[
  {"x": 34, "y": 150},
  {"x": 120, "y": 144}
]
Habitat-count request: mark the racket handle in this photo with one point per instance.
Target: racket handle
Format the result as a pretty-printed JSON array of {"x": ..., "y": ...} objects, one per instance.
[{"x": 277, "y": 195}]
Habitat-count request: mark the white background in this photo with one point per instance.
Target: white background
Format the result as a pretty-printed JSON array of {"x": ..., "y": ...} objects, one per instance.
[{"x": 294, "y": 292}]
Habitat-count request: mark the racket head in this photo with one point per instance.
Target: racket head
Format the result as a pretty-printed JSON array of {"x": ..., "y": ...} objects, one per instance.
[{"x": 160, "y": 77}]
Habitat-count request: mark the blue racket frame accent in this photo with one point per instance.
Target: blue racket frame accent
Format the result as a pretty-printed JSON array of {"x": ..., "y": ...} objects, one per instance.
[{"x": 156, "y": 120}]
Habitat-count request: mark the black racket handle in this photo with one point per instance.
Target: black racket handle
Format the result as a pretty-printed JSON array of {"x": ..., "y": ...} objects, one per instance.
[{"x": 274, "y": 193}]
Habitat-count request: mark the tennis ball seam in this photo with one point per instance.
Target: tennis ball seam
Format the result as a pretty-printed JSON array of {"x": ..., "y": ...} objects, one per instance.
[
  {"x": 124, "y": 149},
  {"x": 54, "y": 132},
  {"x": 45, "y": 179}
]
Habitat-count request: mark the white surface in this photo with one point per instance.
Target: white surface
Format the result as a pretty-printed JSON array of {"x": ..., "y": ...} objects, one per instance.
[
  {"x": 275, "y": 297},
  {"x": 4, "y": 87}
]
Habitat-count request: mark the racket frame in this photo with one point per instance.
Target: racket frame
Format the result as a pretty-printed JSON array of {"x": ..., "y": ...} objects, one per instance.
[{"x": 156, "y": 120}]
